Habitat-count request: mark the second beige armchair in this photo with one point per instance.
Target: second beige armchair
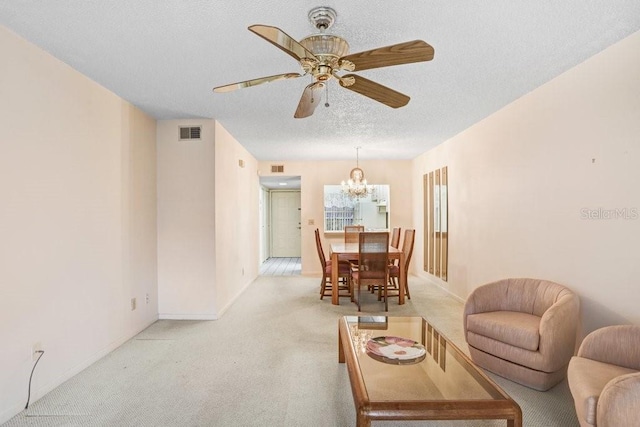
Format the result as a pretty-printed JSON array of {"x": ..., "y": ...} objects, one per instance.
[{"x": 604, "y": 378}]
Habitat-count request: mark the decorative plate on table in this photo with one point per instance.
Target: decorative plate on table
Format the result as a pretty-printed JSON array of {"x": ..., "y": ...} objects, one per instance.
[{"x": 396, "y": 350}]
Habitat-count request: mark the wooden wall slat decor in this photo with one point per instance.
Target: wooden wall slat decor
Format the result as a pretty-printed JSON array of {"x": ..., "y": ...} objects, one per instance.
[
  {"x": 444, "y": 223},
  {"x": 436, "y": 223}
]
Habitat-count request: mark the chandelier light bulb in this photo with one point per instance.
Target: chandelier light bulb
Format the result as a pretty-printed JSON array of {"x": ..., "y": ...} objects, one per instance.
[{"x": 356, "y": 186}]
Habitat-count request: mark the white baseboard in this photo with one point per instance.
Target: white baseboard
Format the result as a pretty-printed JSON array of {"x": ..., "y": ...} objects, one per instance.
[
  {"x": 230, "y": 303},
  {"x": 206, "y": 316},
  {"x": 163, "y": 316},
  {"x": 438, "y": 283}
]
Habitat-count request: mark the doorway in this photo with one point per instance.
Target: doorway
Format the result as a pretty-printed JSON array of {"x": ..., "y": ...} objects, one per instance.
[{"x": 280, "y": 225}]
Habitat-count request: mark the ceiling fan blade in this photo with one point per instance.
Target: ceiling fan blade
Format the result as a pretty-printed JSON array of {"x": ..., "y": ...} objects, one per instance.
[
  {"x": 375, "y": 91},
  {"x": 255, "y": 82},
  {"x": 282, "y": 41},
  {"x": 309, "y": 100},
  {"x": 403, "y": 53}
]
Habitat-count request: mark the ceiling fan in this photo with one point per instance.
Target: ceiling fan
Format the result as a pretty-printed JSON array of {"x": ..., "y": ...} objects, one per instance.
[{"x": 324, "y": 56}]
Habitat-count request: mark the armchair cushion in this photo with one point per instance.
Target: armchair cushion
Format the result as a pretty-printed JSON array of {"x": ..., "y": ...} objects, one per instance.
[{"x": 516, "y": 329}]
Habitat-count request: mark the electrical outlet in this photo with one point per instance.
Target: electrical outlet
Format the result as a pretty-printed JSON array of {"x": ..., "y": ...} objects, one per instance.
[
  {"x": 147, "y": 298},
  {"x": 36, "y": 349},
  {"x": 133, "y": 304}
]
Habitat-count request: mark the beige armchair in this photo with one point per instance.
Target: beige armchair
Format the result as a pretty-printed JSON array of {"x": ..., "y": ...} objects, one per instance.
[
  {"x": 604, "y": 377},
  {"x": 523, "y": 330}
]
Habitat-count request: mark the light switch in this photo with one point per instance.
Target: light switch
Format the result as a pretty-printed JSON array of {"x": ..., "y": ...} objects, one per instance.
[{"x": 311, "y": 222}]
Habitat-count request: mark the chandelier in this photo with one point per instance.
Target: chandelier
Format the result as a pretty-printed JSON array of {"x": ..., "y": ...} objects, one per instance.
[{"x": 356, "y": 186}]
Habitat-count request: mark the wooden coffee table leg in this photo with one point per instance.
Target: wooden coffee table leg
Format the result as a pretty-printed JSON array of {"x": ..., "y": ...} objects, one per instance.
[
  {"x": 517, "y": 419},
  {"x": 362, "y": 420},
  {"x": 334, "y": 279}
]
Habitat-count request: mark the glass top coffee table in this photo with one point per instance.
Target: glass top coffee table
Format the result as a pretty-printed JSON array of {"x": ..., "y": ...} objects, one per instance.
[{"x": 402, "y": 368}]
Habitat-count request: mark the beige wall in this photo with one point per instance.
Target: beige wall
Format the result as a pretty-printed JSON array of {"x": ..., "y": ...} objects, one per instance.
[
  {"x": 186, "y": 222},
  {"x": 520, "y": 181},
  {"x": 237, "y": 222},
  {"x": 207, "y": 221},
  {"x": 77, "y": 221},
  {"x": 314, "y": 175}
]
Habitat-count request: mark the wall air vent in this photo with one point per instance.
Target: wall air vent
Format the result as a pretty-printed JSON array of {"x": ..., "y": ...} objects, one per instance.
[
  {"x": 190, "y": 132},
  {"x": 277, "y": 168}
]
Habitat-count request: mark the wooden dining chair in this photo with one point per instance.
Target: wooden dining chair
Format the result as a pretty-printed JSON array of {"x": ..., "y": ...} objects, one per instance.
[
  {"x": 351, "y": 233},
  {"x": 394, "y": 270},
  {"x": 373, "y": 268},
  {"x": 344, "y": 274}
]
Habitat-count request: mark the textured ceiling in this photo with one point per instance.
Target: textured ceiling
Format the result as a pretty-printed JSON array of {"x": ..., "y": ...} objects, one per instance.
[{"x": 166, "y": 56}]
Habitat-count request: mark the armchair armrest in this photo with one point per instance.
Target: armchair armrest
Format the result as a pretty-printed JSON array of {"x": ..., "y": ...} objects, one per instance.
[
  {"x": 618, "y": 402},
  {"x": 558, "y": 327}
]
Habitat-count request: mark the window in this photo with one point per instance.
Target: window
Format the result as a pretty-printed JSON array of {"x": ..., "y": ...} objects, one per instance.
[{"x": 372, "y": 211}]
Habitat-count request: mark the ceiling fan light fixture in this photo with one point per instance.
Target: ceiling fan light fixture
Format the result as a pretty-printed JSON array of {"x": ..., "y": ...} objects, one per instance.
[
  {"x": 326, "y": 44},
  {"x": 326, "y": 56}
]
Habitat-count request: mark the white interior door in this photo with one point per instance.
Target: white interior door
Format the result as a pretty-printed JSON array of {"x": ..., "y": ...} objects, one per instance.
[
  {"x": 265, "y": 224},
  {"x": 285, "y": 224}
]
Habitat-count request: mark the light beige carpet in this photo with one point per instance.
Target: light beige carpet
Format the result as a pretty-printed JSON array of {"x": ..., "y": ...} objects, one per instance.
[{"x": 270, "y": 361}]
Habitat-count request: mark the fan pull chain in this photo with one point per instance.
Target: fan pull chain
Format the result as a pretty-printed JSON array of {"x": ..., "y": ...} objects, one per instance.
[{"x": 326, "y": 104}]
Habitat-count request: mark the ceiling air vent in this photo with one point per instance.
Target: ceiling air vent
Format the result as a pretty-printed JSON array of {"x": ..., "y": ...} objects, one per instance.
[
  {"x": 191, "y": 132},
  {"x": 277, "y": 168}
]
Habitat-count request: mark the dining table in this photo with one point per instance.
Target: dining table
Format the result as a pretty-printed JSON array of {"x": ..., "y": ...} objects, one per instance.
[{"x": 351, "y": 251}]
